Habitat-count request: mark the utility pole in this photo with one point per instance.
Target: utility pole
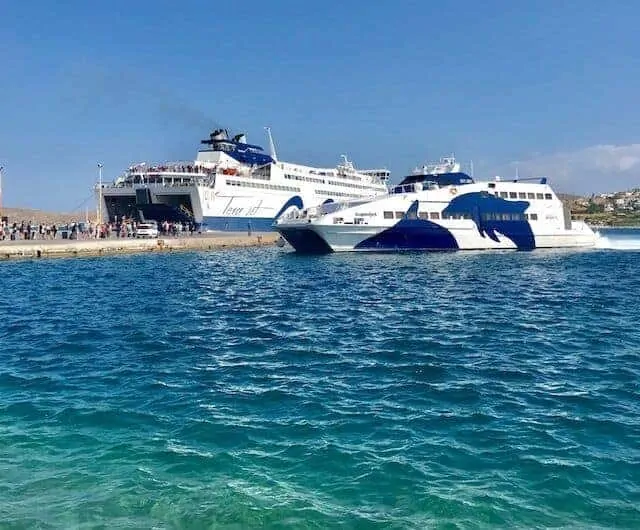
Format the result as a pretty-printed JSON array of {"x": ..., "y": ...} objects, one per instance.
[{"x": 100, "y": 166}]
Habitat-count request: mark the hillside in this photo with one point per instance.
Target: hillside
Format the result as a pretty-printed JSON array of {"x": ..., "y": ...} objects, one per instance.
[{"x": 17, "y": 215}]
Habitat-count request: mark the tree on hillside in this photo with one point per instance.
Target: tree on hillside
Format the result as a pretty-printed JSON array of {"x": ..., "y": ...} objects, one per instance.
[{"x": 595, "y": 208}]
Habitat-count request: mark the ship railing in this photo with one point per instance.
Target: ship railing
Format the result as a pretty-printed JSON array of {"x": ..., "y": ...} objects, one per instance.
[
  {"x": 153, "y": 180},
  {"x": 170, "y": 167}
]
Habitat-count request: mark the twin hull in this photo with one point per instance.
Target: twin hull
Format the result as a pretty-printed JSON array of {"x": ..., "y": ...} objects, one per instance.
[
  {"x": 447, "y": 218},
  {"x": 318, "y": 238}
]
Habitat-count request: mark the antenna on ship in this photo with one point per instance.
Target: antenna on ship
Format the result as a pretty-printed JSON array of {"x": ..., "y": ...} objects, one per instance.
[{"x": 272, "y": 147}]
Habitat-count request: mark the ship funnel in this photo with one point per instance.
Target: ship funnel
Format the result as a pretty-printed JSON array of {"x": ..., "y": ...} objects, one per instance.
[{"x": 219, "y": 135}]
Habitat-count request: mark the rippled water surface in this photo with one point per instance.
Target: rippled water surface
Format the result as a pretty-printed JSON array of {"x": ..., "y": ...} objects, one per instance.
[{"x": 260, "y": 389}]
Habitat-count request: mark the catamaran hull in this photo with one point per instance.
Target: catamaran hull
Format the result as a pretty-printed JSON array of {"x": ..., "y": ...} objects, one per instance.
[{"x": 317, "y": 238}]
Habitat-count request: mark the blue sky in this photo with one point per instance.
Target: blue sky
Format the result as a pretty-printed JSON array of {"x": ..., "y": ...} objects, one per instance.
[{"x": 551, "y": 87}]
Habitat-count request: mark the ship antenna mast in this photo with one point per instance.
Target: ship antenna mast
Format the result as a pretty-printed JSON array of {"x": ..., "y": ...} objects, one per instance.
[{"x": 272, "y": 147}]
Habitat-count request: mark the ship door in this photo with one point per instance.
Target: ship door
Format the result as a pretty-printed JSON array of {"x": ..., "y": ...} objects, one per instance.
[{"x": 143, "y": 196}]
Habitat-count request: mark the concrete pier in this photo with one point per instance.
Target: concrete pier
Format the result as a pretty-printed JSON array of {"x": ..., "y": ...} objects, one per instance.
[{"x": 107, "y": 247}]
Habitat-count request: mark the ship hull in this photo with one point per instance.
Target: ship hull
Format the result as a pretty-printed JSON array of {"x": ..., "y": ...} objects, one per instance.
[{"x": 314, "y": 239}]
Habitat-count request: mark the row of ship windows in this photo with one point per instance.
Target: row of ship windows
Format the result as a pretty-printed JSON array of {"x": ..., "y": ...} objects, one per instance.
[
  {"x": 323, "y": 174},
  {"x": 338, "y": 194},
  {"x": 303, "y": 178},
  {"x": 261, "y": 186},
  {"x": 332, "y": 182},
  {"x": 356, "y": 186},
  {"x": 485, "y": 216},
  {"x": 523, "y": 195}
]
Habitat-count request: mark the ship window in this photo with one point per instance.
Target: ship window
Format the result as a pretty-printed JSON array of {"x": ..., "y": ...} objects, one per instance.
[
  {"x": 506, "y": 217},
  {"x": 548, "y": 196},
  {"x": 388, "y": 215},
  {"x": 522, "y": 195},
  {"x": 526, "y": 216},
  {"x": 423, "y": 215},
  {"x": 466, "y": 216},
  {"x": 504, "y": 194},
  {"x": 399, "y": 215},
  {"x": 513, "y": 195},
  {"x": 531, "y": 195},
  {"x": 434, "y": 215},
  {"x": 492, "y": 184},
  {"x": 533, "y": 216},
  {"x": 539, "y": 196}
]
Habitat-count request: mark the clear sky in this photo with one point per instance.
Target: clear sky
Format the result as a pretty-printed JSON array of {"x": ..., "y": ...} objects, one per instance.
[{"x": 549, "y": 86}]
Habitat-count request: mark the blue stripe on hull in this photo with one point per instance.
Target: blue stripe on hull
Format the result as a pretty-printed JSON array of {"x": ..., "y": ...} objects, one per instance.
[{"x": 238, "y": 224}]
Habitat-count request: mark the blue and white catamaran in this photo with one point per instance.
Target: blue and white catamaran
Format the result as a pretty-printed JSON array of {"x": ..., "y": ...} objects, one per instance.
[{"x": 440, "y": 208}]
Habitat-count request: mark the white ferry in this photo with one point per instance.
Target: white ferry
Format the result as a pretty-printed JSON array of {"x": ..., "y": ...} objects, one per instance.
[
  {"x": 440, "y": 208},
  {"x": 232, "y": 185}
]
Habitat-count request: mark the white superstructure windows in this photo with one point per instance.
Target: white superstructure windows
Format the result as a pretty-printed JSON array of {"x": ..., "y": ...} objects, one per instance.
[
  {"x": 354, "y": 186},
  {"x": 388, "y": 215},
  {"x": 304, "y": 178},
  {"x": 524, "y": 195},
  {"x": 260, "y": 185},
  {"x": 456, "y": 216},
  {"x": 339, "y": 194},
  {"x": 489, "y": 216}
]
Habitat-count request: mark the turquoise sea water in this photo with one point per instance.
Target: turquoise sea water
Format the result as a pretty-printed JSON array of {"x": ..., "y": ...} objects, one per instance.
[{"x": 260, "y": 389}]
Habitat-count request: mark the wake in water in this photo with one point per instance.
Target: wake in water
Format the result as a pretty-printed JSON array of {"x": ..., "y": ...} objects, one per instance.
[{"x": 618, "y": 241}]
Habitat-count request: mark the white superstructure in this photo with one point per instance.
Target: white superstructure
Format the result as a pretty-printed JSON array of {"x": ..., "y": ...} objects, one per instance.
[
  {"x": 232, "y": 185},
  {"x": 441, "y": 210}
]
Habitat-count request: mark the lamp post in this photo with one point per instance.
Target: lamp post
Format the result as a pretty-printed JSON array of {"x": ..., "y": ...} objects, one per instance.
[
  {"x": 100, "y": 166},
  {"x": 1, "y": 169}
]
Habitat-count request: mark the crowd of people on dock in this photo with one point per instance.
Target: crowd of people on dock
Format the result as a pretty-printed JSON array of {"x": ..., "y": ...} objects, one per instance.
[{"x": 124, "y": 228}]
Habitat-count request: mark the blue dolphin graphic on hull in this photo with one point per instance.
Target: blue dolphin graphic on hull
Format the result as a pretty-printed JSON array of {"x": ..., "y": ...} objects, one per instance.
[
  {"x": 411, "y": 233},
  {"x": 493, "y": 214}
]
